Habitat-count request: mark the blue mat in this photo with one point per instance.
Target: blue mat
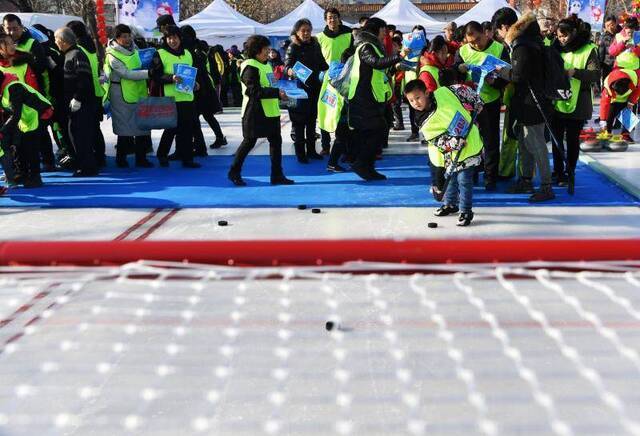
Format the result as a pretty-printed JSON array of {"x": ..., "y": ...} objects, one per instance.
[{"x": 208, "y": 187}]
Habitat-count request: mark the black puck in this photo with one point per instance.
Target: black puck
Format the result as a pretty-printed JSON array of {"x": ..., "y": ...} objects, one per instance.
[
  {"x": 432, "y": 225},
  {"x": 315, "y": 210},
  {"x": 302, "y": 206},
  {"x": 329, "y": 326},
  {"x": 222, "y": 223}
]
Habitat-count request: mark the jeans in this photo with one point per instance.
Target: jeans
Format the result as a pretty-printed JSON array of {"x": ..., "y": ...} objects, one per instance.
[
  {"x": 533, "y": 152},
  {"x": 460, "y": 190}
]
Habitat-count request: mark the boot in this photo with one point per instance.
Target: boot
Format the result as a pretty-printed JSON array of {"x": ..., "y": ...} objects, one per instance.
[
  {"x": 362, "y": 171},
  {"x": 522, "y": 186},
  {"x": 219, "y": 142},
  {"x": 300, "y": 152},
  {"x": 236, "y": 178},
  {"x": 311, "y": 151},
  {"x": 545, "y": 193}
]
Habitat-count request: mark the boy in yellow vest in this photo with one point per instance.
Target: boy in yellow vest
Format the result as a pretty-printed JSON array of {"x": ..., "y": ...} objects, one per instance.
[
  {"x": 620, "y": 91},
  {"x": 445, "y": 118}
]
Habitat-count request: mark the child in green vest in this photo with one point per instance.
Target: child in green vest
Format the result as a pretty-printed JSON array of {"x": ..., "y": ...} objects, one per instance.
[{"x": 444, "y": 117}]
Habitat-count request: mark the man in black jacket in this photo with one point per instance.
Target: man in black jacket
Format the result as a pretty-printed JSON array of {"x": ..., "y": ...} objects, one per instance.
[
  {"x": 79, "y": 100},
  {"x": 527, "y": 74},
  {"x": 608, "y": 36}
]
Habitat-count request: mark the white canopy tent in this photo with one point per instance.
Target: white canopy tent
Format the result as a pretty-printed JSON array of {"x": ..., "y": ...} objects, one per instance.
[
  {"x": 483, "y": 11},
  {"x": 219, "y": 23},
  {"x": 50, "y": 21},
  {"x": 307, "y": 9},
  {"x": 404, "y": 15}
]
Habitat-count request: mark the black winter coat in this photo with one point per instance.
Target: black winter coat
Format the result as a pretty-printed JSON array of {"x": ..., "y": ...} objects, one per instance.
[
  {"x": 255, "y": 123},
  {"x": 309, "y": 54},
  {"x": 527, "y": 62},
  {"x": 365, "y": 113}
]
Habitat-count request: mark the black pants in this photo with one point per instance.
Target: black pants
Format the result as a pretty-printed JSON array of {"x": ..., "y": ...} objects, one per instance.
[
  {"x": 46, "y": 145},
  {"x": 341, "y": 143},
  {"x": 137, "y": 143},
  {"x": 236, "y": 92},
  {"x": 183, "y": 134},
  {"x": 199, "y": 145},
  {"x": 275, "y": 152},
  {"x": 368, "y": 142},
  {"x": 325, "y": 138},
  {"x": 82, "y": 132},
  {"x": 489, "y": 124},
  {"x": 99, "y": 147},
  {"x": 398, "y": 121},
  {"x": 28, "y": 154},
  {"x": 303, "y": 134},
  {"x": 569, "y": 129},
  {"x": 614, "y": 111}
]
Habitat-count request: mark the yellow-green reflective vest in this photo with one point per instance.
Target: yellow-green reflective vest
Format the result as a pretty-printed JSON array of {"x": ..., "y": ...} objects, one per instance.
[
  {"x": 330, "y": 106},
  {"x": 438, "y": 123},
  {"x": 270, "y": 106},
  {"x": 168, "y": 61},
  {"x": 578, "y": 60},
  {"x": 380, "y": 85},
  {"x": 488, "y": 93},
  {"x": 20, "y": 71},
  {"x": 132, "y": 90},
  {"x": 26, "y": 46},
  {"x": 95, "y": 73},
  {"x": 30, "y": 118},
  {"x": 621, "y": 98},
  {"x": 627, "y": 59},
  {"x": 332, "y": 48},
  {"x": 434, "y": 71}
]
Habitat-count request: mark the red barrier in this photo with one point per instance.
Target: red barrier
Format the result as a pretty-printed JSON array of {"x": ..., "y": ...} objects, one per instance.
[{"x": 316, "y": 252}]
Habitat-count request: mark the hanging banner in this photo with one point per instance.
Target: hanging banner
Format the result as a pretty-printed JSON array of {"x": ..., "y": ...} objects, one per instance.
[
  {"x": 589, "y": 11},
  {"x": 142, "y": 14}
]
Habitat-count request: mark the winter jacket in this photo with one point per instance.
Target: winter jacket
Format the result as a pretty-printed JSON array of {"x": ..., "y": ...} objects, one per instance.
[
  {"x": 603, "y": 49},
  {"x": 527, "y": 71},
  {"x": 605, "y": 100},
  {"x": 309, "y": 54},
  {"x": 255, "y": 123},
  {"x": 588, "y": 76},
  {"x": 78, "y": 78},
  {"x": 20, "y": 59},
  {"x": 365, "y": 113}
]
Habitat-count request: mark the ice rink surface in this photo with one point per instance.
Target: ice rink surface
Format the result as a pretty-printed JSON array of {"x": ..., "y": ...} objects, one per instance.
[{"x": 164, "y": 349}]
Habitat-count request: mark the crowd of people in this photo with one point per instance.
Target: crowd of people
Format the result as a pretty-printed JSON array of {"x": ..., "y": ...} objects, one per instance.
[{"x": 55, "y": 92}]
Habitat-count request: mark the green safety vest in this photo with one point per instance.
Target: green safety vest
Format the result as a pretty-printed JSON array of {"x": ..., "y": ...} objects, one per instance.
[
  {"x": 434, "y": 71},
  {"x": 488, "y": 93},
  {"x": 332, "y": 48},
  {"x": 379, "y": 81},
  {"x": 168, "y": 61},
  {"x": 627, "y": 59},
  {"x": 411, "y": 74},
  {"x": 19, "y": 71},
  {"x": 621, "y": 98},
  {"x": 95, "y": 73},
  {"x": 437, "y": 124},
  {"x": 26, "y": 46},
  {"x": 578, "y": 60},
  {"x": 30, "y": 118},
  {"x": 132, "y": 90},
  {"x": 330, "y": 106},
  {"x": 270, "y": 106}
]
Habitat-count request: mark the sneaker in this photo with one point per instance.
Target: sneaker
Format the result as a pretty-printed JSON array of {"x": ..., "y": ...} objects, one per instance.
[
  {"x": 335, "y": 169},
  {"x": 413, "y": 138},
  {"x": 219, "y": 142},
  {"x": 464, "y": 219},
  {"x": 545, "y": 193},
  {"x": 281, "y": 180},
  {"x": 522, "y": 186},
  {"x": 446, "y": 210}
]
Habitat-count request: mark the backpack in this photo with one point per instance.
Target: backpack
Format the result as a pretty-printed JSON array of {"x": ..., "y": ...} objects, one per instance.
[{"x": 557, "y": 85}]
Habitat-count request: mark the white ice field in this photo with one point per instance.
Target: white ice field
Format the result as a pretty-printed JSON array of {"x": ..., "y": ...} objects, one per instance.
[{"x": 154, "y": 348}]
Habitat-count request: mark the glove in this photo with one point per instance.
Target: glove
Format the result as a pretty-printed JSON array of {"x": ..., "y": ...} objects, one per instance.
[{"x": 74, "y": 105}]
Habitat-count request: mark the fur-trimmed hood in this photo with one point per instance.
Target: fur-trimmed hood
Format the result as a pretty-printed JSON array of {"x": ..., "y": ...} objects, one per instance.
[{"x": 526, "y": 25}]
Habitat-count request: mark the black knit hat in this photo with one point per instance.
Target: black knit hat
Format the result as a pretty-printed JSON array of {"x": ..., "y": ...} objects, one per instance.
[{"x": 165, "y": 20}]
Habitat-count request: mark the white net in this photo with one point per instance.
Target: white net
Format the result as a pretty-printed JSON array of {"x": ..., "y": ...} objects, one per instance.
[{"x": 172, "y": 349}]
